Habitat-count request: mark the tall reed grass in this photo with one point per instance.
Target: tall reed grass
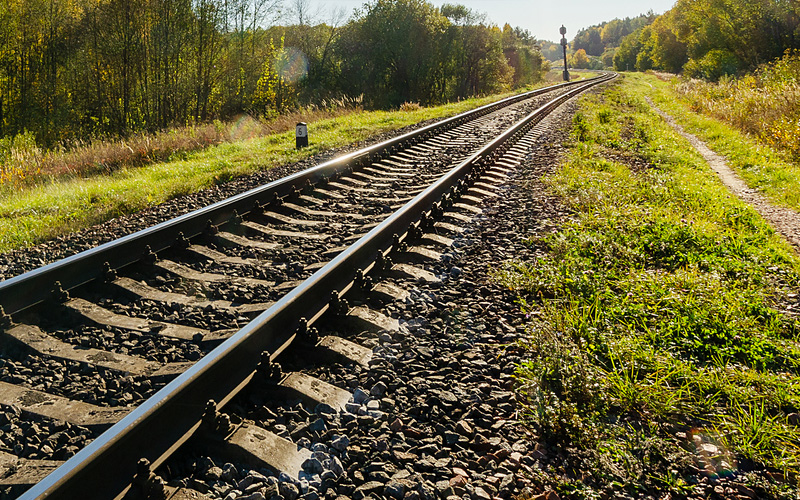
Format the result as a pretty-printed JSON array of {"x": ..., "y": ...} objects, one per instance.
[{"x": 765, "y": 104}]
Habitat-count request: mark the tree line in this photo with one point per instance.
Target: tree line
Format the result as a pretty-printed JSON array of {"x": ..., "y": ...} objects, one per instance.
[
  {"x": 712, "y": 38},
  {"x": 77, "y": 69}
]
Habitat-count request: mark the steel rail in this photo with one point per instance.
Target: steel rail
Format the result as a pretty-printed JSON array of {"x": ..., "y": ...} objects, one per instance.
[
  {"x": 31, "y": 288},
  {"x": 105, "y": 468}
]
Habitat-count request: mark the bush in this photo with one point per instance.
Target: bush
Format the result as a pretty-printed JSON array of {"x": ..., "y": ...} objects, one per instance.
[{"x": 713, "y": 66}]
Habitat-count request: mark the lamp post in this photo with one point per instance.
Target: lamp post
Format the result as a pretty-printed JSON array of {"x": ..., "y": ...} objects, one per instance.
[{"x": 563, "y": 32}]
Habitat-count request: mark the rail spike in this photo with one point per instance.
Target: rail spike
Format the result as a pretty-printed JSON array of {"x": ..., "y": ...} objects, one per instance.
[
  {"x": 150, "y": 486},
  {"x": 210, "y": 229},
  {"x": 309, "y": 334},
  {"x": 397, "y": 245},
  {"x": 58, "y": 294},
  {"x": 109, "y": 274},
  {"x": 337, "y": 304},
  {"x": 5, "y": 320},
  {"x": 362, "y": 281},
  {"x": 382, "y": 262},
  {"x": 215, "y": 421},
  {"x": 149, "y": 256},
  {"x": 271, "y": 371},
  {"x": 181, "y": 243},
  {"x": 415, "y": 231}
]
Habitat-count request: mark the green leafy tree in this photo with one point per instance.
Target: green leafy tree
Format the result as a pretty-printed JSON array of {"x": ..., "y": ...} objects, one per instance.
[
  {"x": 522, "y": 54},
  {"x": 716, "y": 37},
  {"x": 665, "y": 50},
  {"x": 614, "y": 31},
  {"x": 580, "y": 60},
  {"x": 589, "y": 40},
  {"x": 480, "y": 66},
  {"x": 551, "y": 51},
  {"x": 382, "y": 63},
  {"x": 607, "y": 58},
  {"x": 625, "y": 57},
  {"x": 713, "y": 65}
]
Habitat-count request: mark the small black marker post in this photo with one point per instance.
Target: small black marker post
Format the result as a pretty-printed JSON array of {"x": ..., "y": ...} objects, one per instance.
[{"x": 301, "y": 135}]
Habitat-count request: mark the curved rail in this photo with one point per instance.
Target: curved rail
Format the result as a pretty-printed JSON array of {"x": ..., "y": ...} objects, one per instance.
[
  {"x": 155, "y": 429},
  {"x": 31, "y": 288}
]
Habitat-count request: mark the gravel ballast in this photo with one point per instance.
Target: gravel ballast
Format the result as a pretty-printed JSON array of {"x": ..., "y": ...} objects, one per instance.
[{"x": 435, "y": 415}]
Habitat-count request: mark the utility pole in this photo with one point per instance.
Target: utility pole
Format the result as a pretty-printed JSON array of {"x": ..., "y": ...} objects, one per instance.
[{"x": 563, "y": 32}]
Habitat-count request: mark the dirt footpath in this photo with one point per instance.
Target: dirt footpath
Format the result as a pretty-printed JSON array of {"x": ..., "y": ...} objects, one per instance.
[{"x": 784, "y": 220}]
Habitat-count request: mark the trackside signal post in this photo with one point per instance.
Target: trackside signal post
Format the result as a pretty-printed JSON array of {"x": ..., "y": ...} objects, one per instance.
[{"x": 563, "y": 32}]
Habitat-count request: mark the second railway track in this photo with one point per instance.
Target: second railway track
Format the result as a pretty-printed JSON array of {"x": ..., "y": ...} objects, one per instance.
[{"x": 115, "y": 358}]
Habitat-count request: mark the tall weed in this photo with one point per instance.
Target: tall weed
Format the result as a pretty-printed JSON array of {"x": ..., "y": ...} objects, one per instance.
[{"x": 19, "y": 159}]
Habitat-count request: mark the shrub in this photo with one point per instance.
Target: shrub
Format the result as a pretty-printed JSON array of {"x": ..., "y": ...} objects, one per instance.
[{"x": 713, "y": 66}]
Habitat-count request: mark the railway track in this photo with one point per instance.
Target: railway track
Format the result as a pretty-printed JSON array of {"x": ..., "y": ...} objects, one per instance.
[{"x": 119, "y": 357}]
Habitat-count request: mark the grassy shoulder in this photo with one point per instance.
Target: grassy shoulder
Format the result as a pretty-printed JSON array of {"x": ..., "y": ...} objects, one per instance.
[
  {"x": 556, "y": 74},
  {"x": 775, "y": 174},
  {"x": 53, "y": 207},
  {"x": 660, "y": 338}
]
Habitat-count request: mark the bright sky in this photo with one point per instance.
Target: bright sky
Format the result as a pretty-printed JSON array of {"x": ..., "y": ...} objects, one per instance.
[{"x": 541, "y": 17}]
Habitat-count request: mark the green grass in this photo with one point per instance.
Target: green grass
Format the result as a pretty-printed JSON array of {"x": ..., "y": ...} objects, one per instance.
[
  {"x": 556, "y": 74},
  {"x": 659, "y": 309},
  {"x": 776, "y": 174},
  {"x": 54, "y": 207}
]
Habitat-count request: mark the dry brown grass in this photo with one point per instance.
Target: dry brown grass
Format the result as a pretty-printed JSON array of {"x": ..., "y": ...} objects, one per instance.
[
  {"x": 409, "y": 106},
  {"x": 22, "y": 162}
]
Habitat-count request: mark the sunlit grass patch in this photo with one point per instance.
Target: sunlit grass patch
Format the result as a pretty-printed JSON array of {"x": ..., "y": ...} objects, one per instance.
[
  {"x": 765, "y": 104},
  {"x": 771, "y": 166},
  {"x": 658, "y": 311}
]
